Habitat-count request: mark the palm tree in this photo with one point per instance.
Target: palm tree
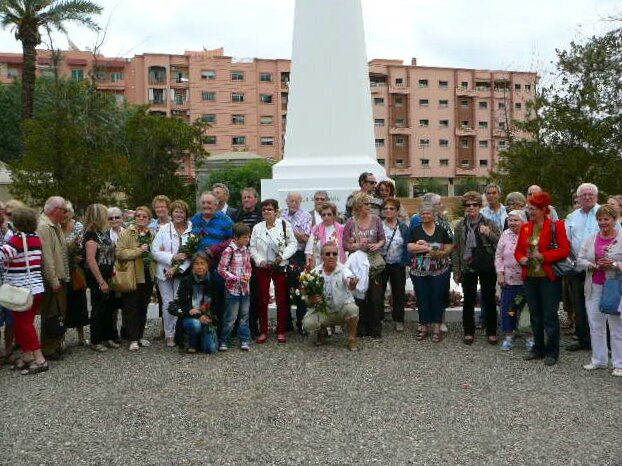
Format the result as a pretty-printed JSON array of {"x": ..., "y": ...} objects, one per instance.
[{"x": 28, "y": 17}]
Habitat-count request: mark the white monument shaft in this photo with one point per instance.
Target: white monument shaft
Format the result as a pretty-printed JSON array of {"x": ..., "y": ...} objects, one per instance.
[{"x": 330, "y": 129}]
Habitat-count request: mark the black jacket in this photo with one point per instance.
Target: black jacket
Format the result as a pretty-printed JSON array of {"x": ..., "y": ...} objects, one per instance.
[{"x": 185, "y": 290}]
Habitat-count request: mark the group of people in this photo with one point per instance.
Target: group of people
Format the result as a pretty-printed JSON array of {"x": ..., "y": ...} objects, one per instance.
[{"x": 213, "y": 272}]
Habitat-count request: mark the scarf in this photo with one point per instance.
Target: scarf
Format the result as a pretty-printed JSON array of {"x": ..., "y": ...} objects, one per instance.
[{"x": 472, "y": 229}]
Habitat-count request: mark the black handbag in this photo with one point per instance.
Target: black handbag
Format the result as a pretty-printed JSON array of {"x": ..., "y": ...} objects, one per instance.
[
  {"x": 565, "y": 267},
  {"x": 54, "y": 326}
]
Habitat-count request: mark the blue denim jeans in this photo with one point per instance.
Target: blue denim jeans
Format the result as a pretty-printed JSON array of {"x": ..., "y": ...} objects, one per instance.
[
  {"x": 508, "y": 297},
  {"x": 200, "y": 336},
  {"x": 236, "y": 305}
]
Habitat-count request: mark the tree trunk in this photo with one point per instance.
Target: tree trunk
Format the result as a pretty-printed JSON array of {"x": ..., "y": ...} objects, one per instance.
[{"x": 28, "y": 77}]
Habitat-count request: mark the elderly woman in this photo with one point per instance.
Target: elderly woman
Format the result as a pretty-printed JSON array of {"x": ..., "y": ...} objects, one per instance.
[
  {"x": 13, "y": 254},
  {"x": 386, "y": 189},
  {"x": 616, "y": 203},
  {"x": 395, "y": 258},
  {"x": 170, "y": 262},
  {"x": 364, "y": 232},
  {"x": 272, "y": 244},
  {"x": 115, "y": 221},
  {"x": 431, "y": 245},
  {"x": 99, "y": 252},
  {"x": 536, "y": 254},
  {"x": 135, "y": 245},
  {"x": 329, "y": 230},
  {"x": 509, "y": 278},
  {"x": 514, "y": 201},
  {"x": 473, "y": 260},
  {"x": 601, "y": 256},
  {"x": 77, "y": 315}
]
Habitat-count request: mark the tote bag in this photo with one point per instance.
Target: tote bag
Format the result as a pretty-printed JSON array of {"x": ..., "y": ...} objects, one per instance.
[
  {"x": 610, "y": 300},
  {"x": 18, "y": 298}
]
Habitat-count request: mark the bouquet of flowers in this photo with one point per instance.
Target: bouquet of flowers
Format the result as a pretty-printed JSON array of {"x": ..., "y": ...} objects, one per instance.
[
  {"x": 533, "y": 248},
  {"x": 189, "y": 248},
  {"x": 206, "y": 310},
  {"x": 311, "y": 285}
]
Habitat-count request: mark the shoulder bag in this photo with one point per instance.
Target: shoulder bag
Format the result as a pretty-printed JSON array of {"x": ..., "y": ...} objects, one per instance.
[
  {"x": 612, "y": 294},
  {"x": 124, "y": 276},
  {"x": 564, "y": 267},
  {"x": 18, "y": 298}
]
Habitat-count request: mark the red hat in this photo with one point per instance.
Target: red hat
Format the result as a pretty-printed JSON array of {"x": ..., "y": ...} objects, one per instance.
[{"x": 541, "y": 201}]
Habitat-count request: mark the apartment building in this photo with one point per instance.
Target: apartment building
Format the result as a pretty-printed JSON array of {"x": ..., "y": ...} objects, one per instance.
[{"x": 430, "y": 123}]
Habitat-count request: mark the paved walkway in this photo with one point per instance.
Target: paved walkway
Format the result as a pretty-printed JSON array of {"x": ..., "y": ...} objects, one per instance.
[{"x": 397, "y": 401}]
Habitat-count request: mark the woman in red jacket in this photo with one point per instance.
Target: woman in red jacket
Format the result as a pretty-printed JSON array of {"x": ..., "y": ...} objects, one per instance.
[{"x": 535, "y": 254}]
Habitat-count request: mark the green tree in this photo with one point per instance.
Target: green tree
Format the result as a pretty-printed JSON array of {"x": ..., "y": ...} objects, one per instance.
[
  {"x": 577, "y": 131},
  {"x": 73, "y": 145},
  {"x": 237, "y": 178},
  {"x": 28, "y": 18},
  {"x": 157, "y": 149},
  {"x": 10, "y": 122}
]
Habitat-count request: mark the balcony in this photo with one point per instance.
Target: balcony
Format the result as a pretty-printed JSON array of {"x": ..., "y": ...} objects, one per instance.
[
  {"x": 180, "y": 104},
  {"x": 400, "y": 130},
  {"x": 157, "y": 103},
  {"x": 377, "y": 86},
  {"x": 399, "y": 89},
  {"x": 180, "y": 82},
  {"x": 499, "y": 133},
  {"x": 285, "y": 85},
  {"x": 464, "y": 92},
  {"x": 465, "y": 131},
  {"x": 157, "y": 80}
]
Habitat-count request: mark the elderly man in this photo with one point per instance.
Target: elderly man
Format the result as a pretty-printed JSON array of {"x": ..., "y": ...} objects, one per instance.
[
  {"x": 213, "y": 226},
  {"x": 338, "y": 283},
  {"x": 367, "y": 182},
  {"x": 319, "y": 198},
  {"x": 55, "y": 274},
  {"x": 534, "y": 189},
  {"x": 221, "y": 191},
  {"x": 579, "y": 225},
  {"x": 249, "y": 214},
  {"x": 300, "y": 221}
]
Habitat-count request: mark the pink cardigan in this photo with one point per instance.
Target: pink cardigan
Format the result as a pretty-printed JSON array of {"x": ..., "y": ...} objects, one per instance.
[
  {"x": 319, "y": 233},
  {"x": 505, "y": 261}
]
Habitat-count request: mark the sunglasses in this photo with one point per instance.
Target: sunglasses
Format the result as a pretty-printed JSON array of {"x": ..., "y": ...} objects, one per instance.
[
  {"x": 320, "y": 199},
  {"x": 114, "y": 218},
  {"x": 371, "y": 182},
  {"x": 329, "y": 254},
  {"x": 471, "y": 205}
]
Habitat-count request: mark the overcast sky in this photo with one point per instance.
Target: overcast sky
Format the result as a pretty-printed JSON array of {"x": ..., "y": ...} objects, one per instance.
[{"x": 496, "y": 34}]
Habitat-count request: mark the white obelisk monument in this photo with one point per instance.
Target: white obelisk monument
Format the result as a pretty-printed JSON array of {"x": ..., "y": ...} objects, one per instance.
[{"x": 330, "y": 128}]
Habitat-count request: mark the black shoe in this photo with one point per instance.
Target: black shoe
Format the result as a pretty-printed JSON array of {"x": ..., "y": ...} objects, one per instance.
[
  {"x": 550, "y": 361},
  {"x": 530, "y": 356},
  {"x": 577, "y": 347},
  {"x": 56, "y": 356}
]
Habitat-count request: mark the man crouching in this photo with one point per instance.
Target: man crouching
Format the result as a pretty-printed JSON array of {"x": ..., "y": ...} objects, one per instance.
[{"x": 338, "y": 281}]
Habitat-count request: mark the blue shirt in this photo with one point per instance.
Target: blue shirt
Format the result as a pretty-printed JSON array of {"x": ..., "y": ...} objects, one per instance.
[
  {"x": 497, "y": 217},
  {"x": 213, "y": 231}
]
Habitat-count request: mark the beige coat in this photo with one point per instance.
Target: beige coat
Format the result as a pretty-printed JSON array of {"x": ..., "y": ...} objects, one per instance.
[
  {"x": 54, "y": 250},
  {"x": 128, "y": 249}
]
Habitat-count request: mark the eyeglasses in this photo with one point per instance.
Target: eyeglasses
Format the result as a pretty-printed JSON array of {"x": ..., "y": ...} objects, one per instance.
[
  {"x": 320, "y": 199},
  {"x": 471, "y": 205},
  {"x": 114, "y": 218},
  {"x": 329, "y": 254},
  {"x": 326, "y": 214},
  {"x": 371, "y": 182}
]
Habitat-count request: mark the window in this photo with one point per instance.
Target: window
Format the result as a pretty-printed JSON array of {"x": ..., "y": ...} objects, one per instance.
[
  {"x": 443, "y": 103},
  {"x": 464, "y": 104},
  {"x": 503, "y": 145},
  {"x": 464, "y": 84},
  {"x": 399, "y": 82},
  {"x": 528, "y": 87},
  {"x": 483, "y": 144},
  {"x": 502, "y": 124},
  {"x": 483, "y": 163},
  {"x": 482, "y": 125},
  {"x": 423, "y": 83},
  {"x": 210, "y": 139},
  {"x": 265, "y": 77},
  {"x": 238, "y": 140},
  {"x": 444, "y": 143},
  {"x": 424, "y": 102},
  {"x": 501, "y": 105},
  {"x": 464, "y": 163},
  {"x": 237, "y": 97},
  {"x": 265, "y": 98},
  {"x": 464, "y": 124},
  {"x": 208, "y": 118},
  {"x": 443, "y": 123},
  {"x": 116, "y": 76},
  {"x": 266, "y": 120},
  {"x": 157, "y": 96},
  {"x": 482, "y": 85},
  {"x": 518, "y": 106},
  {"x": 379, "y": 142},
  {"x": 400, "y": 141},
  {"x": 100, "y": 75},
  {"x": 399, "y": 101},
  {"x": 267, "y": 141},
  {"x": 207, "y": 96},
  {"x": 208, "y": 75},
  {"x": 517, "y": 87},
  {"x": 424, "y": 142},
  {"x": 12, "y": 73},
  {"x": 400, "y": 123},
  {"x": 424, "y": 123},
  {"x": 399, "y": 161},
  {"x": 237, "y": 76},
  {"x": 464, "y": 143},
  {"x": 378, "y": 101},
  {"x": 443, "y": 84},
  {"x": 444, "y": 162},
  {"x": 238, "y": 119},
  {"x": 78, "y": 75},
  {"x": 482, "y": 104},
  {"x": 381, "y": 162},
  {"x": 379, "y": 122},
  {"x": 119, "y": 99},
  {"x": 425, "y": 163}
]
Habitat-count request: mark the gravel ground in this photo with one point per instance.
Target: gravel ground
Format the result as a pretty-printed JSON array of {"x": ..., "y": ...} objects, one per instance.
[{"x": 397, "y": 401}]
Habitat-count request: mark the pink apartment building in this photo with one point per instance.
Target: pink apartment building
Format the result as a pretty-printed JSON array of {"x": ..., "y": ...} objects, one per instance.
[{"x": 440, "y": 123}]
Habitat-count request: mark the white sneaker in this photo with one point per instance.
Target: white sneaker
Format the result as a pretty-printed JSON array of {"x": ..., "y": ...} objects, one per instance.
[
  {"x": 245, "y": 346},
  {"x": 507, "y": 344},
  {"x": 593, "y": 367},
  {"x": 112, "y": 344},
  {"x": 444, "y": 328},
  {"x": 223, "y": 347},
  {"x": 617, "y": 372},
  {"x": 399, "y": 326},
  {"x": 134, "y": 346},
  {"x": 143, "y": 342}
]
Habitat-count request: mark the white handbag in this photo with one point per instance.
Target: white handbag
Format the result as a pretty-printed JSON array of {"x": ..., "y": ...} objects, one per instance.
[{"x": 18, "y": 298}]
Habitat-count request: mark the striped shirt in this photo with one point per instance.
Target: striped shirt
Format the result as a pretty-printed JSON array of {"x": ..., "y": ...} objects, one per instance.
[{"x": 12, "y": 254}]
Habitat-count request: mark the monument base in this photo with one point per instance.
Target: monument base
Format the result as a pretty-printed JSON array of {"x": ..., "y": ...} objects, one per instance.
[{"x": 310, "y": 175}]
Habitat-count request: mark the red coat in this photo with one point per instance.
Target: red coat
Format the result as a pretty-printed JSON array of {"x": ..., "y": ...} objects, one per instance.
[{"x": 544, "y": 246}]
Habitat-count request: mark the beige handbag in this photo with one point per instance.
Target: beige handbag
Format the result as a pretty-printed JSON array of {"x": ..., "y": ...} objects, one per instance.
[
  {"x": 124, "y": 276},
  {"x": 18, "y": 298}
]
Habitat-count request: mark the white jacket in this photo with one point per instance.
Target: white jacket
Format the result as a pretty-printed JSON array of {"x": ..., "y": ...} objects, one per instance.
[
  {"x": 166, "y": 245},
  {"x": 261, "y": 236},
  {"x": 339, "y": 285},
  {"x": 587, "y": 257},
  {"x": 358, "y": 263}
]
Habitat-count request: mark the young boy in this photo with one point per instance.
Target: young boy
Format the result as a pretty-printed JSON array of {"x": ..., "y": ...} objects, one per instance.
[{"x": 235, "y": 268}]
